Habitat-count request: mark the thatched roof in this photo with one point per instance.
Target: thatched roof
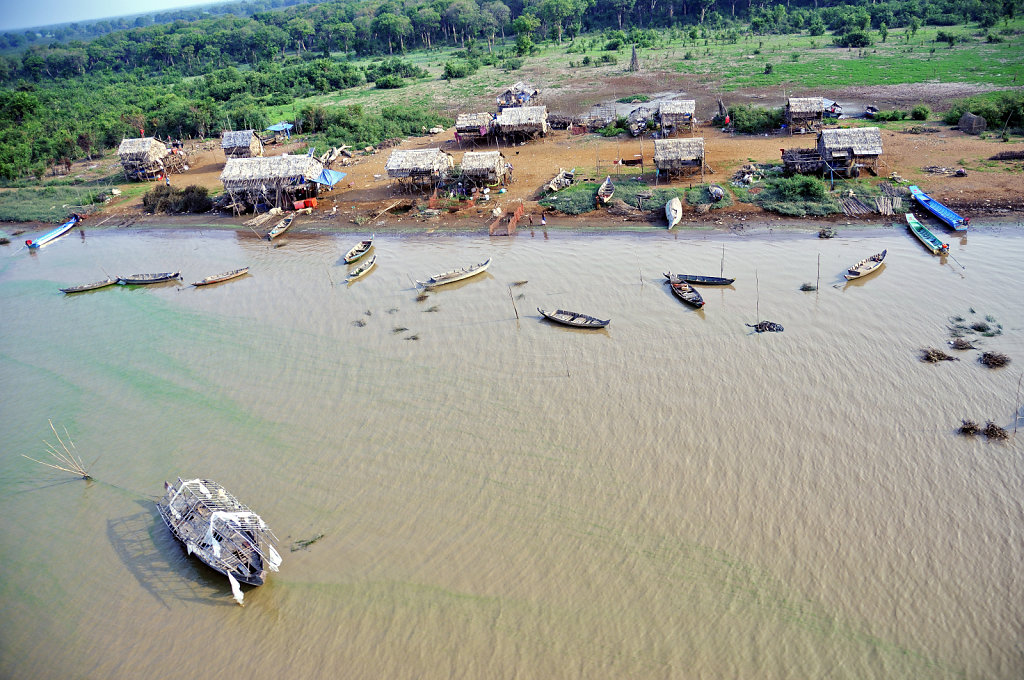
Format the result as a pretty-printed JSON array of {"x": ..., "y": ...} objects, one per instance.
[
  {"x": 482, "y": 162},
  {"x": 679, "y": 107},
  {"x": 234, "y": 138},
  {"x": 523, "y": 117},
  {"x": 272, "y": 168},
  {"x": 863, "y": 141},
  {"x": 472, "y": 121},
  {"x": 806, "y": 105},
  {"x": 668, "y": 150},
  {"x": 419, "y": 162},
  {"x": 145, "y": 149}
]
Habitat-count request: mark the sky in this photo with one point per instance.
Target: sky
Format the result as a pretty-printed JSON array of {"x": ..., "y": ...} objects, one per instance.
[{"x": 27, "y": 13}]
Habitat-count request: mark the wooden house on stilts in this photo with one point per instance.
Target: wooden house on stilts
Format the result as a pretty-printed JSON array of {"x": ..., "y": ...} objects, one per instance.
[
  {"x": 522, "y": 123},
  {"x": 419, "y": 168},
  {"x": 679, "y": 156},
  {"x": 147, "y": 158},
  {"x": 517, "y": 95},
  {"x": 480, "y": 168},
  {"x": 472, "y": 127},
  {"x": 241, "y": 144},
  {"x": 841, "y": 151},
  {"x": 274, "y": 181},
  {"x": 804, "y": 112},
  {"x": 677, "y": 115}
]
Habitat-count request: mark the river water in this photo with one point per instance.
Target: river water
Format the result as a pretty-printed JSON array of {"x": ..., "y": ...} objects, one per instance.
[{"x": 498, "y": 497}]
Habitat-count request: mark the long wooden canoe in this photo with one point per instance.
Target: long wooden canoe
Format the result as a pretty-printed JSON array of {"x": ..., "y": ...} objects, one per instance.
[
  {"x": 226, "y": 276},
  {"x": 930, "y": 240},
  {"x": 280, "y": 227},
  {"x": 574, "y": 319},
  {"x": 947, "y": 215},
  {"x": 54, "y": 234},
  {"x": 142, "y": 279},
  {"x": 109, "y": 281},
  {"x": 673, "y": 211},
  {"x": 684, "y": 291},
  {"x": 865, "y": 266},
  {"x": 700, "y": 279},
  {"x": 455, "y": 275},
  {"x": 361, "y": 270},
  {"x": 605, "y": 191},
  {"x": 358, "y": 250}
]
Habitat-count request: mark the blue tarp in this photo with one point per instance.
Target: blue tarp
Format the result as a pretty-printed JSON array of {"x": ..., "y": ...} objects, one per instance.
[
  {"x": 330, "y": 177},
  {"x": 280, "y": 127}
]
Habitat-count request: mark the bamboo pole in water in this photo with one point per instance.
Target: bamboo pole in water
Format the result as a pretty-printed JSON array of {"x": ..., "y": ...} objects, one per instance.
[{"x": 513, "y": 299}]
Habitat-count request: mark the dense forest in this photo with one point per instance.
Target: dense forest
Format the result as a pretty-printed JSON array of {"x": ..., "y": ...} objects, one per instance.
[{"x": 192, "y": 72}]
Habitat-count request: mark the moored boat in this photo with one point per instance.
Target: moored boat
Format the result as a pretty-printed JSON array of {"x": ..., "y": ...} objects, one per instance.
[
  {"x": 700, "y": 279},
  {"x": 222, "y": 532},
  {"x": 574, "y": 319},
  {"x": 226, "y": 276},
  {"x": 684, "y": 291},
  {"x": 142, "y": 279},
  {"x": 944, "y": 213},
  {"x": 930, "y": 240},
  {"x": 865, "y": 266},
  {"x": 716, "y": 192},
  {"x": 455, "y": 275},
  {"x": 361, "y": 270},
  {"x": 109, "y": 281},
  {"x": 280, "y": 227},
  {"x": 605, "y": 191},
  {"x": 673, "y": 211},
  {"x": 358, "y": 250},
  {"x": 55, "y": 233},
  {"x": 563, "y": 179}
]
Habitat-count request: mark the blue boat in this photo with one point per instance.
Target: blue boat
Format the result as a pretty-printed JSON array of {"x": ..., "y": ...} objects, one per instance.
[
  {"x": 56, "y": 233},
  {"x": 942, "y": 212}
]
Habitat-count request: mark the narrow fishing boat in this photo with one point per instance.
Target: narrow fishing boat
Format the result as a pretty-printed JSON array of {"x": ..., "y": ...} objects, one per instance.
[
  {"x": 455, "y": 275},
  {"x": 361, "y": 270},
  {"x": 142, "y": 279},
  {"x": 605, "y": 191},
  {"x": 224, "y": 534},
  {"x": 563, "y": 179},
  {"x": 280, "y": 228},
  {"x": 574, "y": 319},
  {"x": 673, "y": 211},
  {"x": 930, "y": 240},
  {"x": 226, "y": 276},
  {"x": 55, "y": 234},
  {"x": 684, "y": 291},
  {"x": 865, "y": 266},
  {"x": 701, "y": 280},
  {"x": 716, "y": 192},
  {"x": 358, "y": 250},
  {"x": 950, "y": 217},
  {"x": 109, "y": 281}
]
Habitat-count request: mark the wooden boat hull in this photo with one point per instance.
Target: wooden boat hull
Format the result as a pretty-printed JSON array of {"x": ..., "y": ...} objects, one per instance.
[
  {"x": 940, "y": 211},
  {"x": 606, "y": 190},
  {"x": 280, "y": 228},
  {"x": 361, "y": 270},
  {"x": 358, "y": 250},
  {"x": 455, "y": 275},
  {"x": 226, "y": 276},
  {"x": 866, "y": 266},
  {"x": 55, "y": 234},
  {"x": 930, "y": 240},
  {"x": 89, "y": 286},
  {"x": 574, "y": 319},
  {"x": 673, "y": 211},
  {"x": 684, "y": 291},
  {"x": 701, "y": 280},
  {"x": 145, "y": 279},
  {"x": 716, "y": 192}
]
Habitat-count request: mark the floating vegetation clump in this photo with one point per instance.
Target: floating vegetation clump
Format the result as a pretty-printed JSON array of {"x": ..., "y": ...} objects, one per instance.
[
  {"x": 994, "y": 359},
  {"x": 980, "y": 327},
  {"x": 413, "y": 337},
  {"x": 961, "y": 327},
  {"x": 960, "y": 343},
  {"x": 393, "y": 310},
  {"x": 358, "y": 323},
  {"x": 931, "y": 355},
  {"x": 304, "y": 543},
  {"x": 827, "y": 232},
  {"x": 993, "y": 431},
  {"x": 421, "y": 297},
  {"x": 399, "y": 329},
  {"x": 368, "y": 313},
  {"x": 968, "y": 428},
  {"x": 766, "y": 327},
  {"x": 807, "y": 287}
]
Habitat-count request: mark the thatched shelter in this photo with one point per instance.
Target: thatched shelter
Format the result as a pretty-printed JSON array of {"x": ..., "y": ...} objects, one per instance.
[
  {"x": 675, "y": 115},
  {"x": 678, "y": 156},
  {"x": 241, "y": 144},
  {"x": 638, "y": 117},
  {"x": 846, "y": 150},
  {"x": 523, "y": 122},
  {"x": 147, "y": 158},
  {"x": 275, "y": 181},
  {"x": 517, "y": 95},
  {"x": 805, "y": 112},
  {"x": 421, "y": 167},
  {"x": 484, "y": 167},
  {"x": 472, "y": 127},
  {"x": 971, "y": 124}
]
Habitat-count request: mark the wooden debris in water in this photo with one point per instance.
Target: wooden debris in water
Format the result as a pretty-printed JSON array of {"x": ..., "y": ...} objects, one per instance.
[
  {"x": 399, "y": 329},
  {"x": 960, "y": 343},
  {"x": 368, "y": 312},
  {"x": 4, "y": 240},
  {"x": 993, "y": 431},
  {"x": 67, "y": 461},
  {"x": 827, "y": 232},
  {"x": 304, "y": 543},
  {"x": 421, "y": 297},
  {"x": 519, "y": 283},
  {"x": 766, "y": 327},
  {"x": 968, "y": 428},
  {"x": 994, "y": 359},
  {"x": 413, "y": 337},
  {"x": 358, "y": 323},
  {"x": 931, "y": 355},
  {"x": 807, "y": 287}
]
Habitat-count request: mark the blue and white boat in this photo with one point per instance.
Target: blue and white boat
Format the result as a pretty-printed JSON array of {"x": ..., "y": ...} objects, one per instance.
[
  {"x": 945, "y": 214},
  {"x": 55, "y": 234}
]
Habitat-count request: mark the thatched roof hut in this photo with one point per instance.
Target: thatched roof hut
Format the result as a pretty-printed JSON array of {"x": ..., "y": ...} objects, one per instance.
[
  {"x": 805, "y": 111},
  {"x": 849, "y": 147},
  {"x": 145, "y": 158},
  {"x": 522, "y": 121},
  {"x": 673, "y": 156},
  {"x": 972, "y": 124},
  {"x": 241, "y": 144},
  {"x": 676, "y": 114},
  {"x": 484, "y": 167},
  {"x": 470, "y": 127},
  {"x": 420, "y": 166},
  {"x": 276, "y": 181},
  {"x": 517, "y": 95}
]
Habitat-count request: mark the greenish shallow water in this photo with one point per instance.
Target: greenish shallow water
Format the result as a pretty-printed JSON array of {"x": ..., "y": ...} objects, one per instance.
[{"x": 673, "y": 497}]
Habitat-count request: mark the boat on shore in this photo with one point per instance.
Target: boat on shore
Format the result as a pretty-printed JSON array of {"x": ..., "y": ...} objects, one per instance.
[
  {"x": 361, "y": 270},
  {"x": 358, "y": 250},
  {"x": 865, "y": 266},
  {"x": 563, "y": 179},
  {"x": 684, "y": 291},
  {"x": 143, "y": 279},
  {"x": 55, "y": 233},
  {"x": 455, "y": 275},
  {"x": 606, "y": 190},
  {"x": 574, "y": 319},
  {"x": 930, "y": 240},
  {"x": 226, "y": 276},
  {"x": 942, "y": 212},
  {"x": 700, "y": 279},
  {"x": 109, "y": 281},
  {"x": 716, "y": 192},
  {"x": 280, "y": 227},
  {"x": 223, "y": 533},
  {"x": 673, "y": 211}
]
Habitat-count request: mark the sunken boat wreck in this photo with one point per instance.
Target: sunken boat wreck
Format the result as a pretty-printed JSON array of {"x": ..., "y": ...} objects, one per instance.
[{"x": 224, "y": 534}]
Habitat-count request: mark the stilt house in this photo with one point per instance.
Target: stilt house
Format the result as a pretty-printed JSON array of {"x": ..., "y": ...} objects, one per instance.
[
  {"x": 679, "y": 156},
  {"x": 522, "y": 123},
  {"x": 421, "y": 167},
  {"x": 472, "y": 127},
  {"x": 517, "y": 95},
  {"x": 804, "y": 112},
  {"x": 241, "y": 144},
  {"x": 275, "y": 181},
  {"x": 147, "y": 158},
  {"x": 847, "y": 150},
  {"x": 676, "y": 115},
  {"x": 484, "y": 167}
]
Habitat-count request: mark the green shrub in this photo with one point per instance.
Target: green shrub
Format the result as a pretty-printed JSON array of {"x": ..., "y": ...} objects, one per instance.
[
  {"x": 512, "y": 64},
  {"x": 755, "y": 119},
  {"x": 998, "y": 109},
  {"x": 167, "y": 199},
  {"x": 920, "y": 112},
  {"x": 460, "y": 68},
  {"x": 797, "y": 196},
  {"x": 389, "y": 82},
  {"x": 609, "y": 59},
  {"x": 891, "y": 115},
  {"x": 634, "y": 98},
  {"x": 853, "y": 39}
]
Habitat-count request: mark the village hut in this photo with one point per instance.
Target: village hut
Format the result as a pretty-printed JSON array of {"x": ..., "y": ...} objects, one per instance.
[
  {"x": 147, "y": 158},
  {"x": 638, "y": 117},
  {"x": 675, "y": 115},
  {"x": 241, "y": 144},
  {"x": 484, "y": 167},
  {"x": 846, "y": 150},
  {"x": 972, "y": 124},
  {"x": 521, "y": 123},
  {"x": 678, "y": 156},
  {"x": 274, "y": 181},
  {"x": 472, "y": 127},
  {"x": 517, "y": 95},
  {"x": 804, "y": 112},
  {"x": 420, "y": 167}
]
